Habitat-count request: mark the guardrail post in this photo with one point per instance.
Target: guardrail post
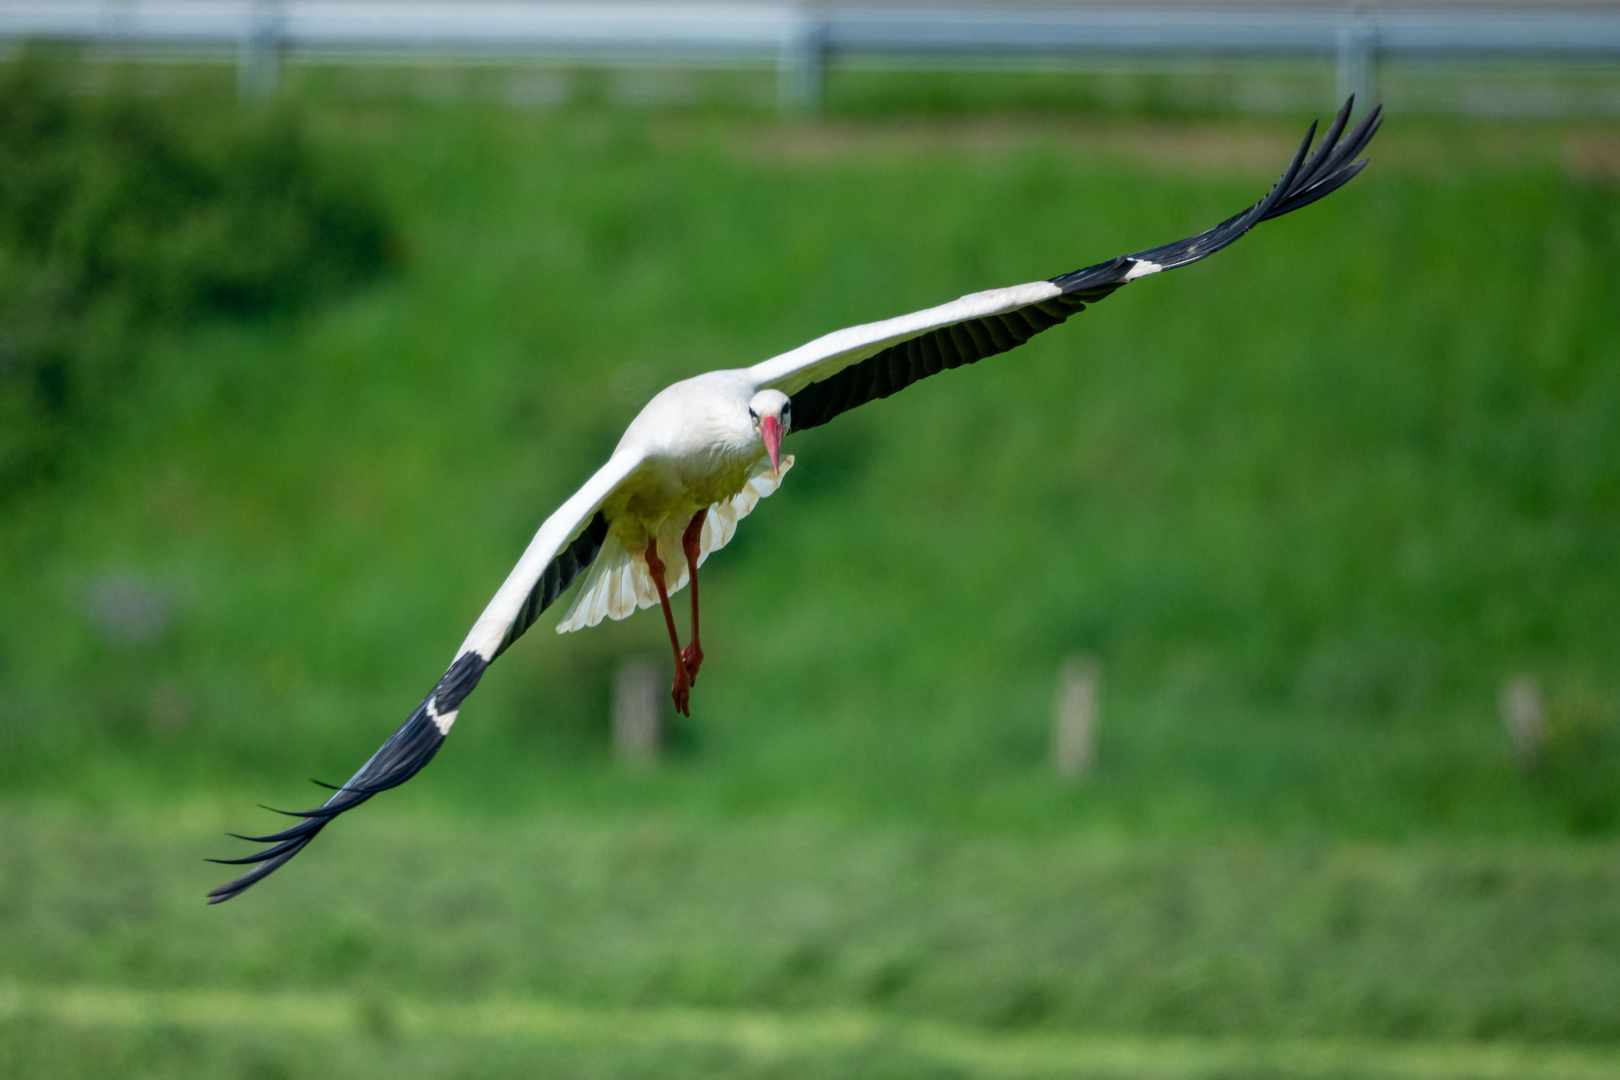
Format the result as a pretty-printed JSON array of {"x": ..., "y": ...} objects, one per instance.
[
  {"x": 1358, "y": 59},
  {"x": 258, "y": 64},
  {"x": 802, "y": 65}
]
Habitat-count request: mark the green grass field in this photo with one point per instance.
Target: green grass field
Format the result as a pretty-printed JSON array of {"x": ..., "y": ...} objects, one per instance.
[
  {"x": 682, "y": 945},
  {"x": 1310, "y": 503}
]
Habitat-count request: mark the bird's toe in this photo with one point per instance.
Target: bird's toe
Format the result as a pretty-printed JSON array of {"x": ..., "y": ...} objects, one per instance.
[{"x": 682, "y": 691}]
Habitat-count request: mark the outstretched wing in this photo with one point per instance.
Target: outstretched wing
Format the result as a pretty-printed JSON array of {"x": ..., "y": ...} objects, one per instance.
[
  {"x": 565, "y": 544},
  {"x": 851, "y": 367}
]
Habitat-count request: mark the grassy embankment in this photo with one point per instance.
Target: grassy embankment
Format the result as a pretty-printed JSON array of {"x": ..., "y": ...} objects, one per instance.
[{"x": 1310, "y": 502}]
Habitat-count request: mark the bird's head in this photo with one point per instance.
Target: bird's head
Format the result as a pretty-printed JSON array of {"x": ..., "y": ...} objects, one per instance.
[{"x": 771, "y": 413}]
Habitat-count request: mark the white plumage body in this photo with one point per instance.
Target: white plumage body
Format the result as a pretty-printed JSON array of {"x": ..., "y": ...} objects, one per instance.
[
  {"x": 697, "y": 450},
  {"x": 695, "y": 441}
]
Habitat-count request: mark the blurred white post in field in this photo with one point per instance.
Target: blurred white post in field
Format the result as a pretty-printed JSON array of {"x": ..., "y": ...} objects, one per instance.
[
  {"x": 801, "y": 67},
  {"x": 1524, "y": 716},
  {"x": 1358, "y": 58},
  {"x": 638, "y": 716},
  {"x": 1074, "y": 716},
  {"x": 258, "y": 65}
]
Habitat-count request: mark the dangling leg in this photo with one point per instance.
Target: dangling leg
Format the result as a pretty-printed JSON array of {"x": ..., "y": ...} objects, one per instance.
[
  {"x": 690, "y": 544},
  {"x": 682, "y": 690}
]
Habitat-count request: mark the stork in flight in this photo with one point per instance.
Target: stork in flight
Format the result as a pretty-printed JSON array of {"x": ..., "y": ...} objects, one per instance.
[{"x": 704, "y": 451}]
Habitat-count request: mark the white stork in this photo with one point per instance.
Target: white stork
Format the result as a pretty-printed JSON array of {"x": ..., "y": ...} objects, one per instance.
[{"x": 704, "y": 451}]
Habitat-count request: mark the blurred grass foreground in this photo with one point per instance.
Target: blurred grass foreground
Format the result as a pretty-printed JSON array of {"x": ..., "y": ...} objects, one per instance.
[{"x": 284, "y": 392}]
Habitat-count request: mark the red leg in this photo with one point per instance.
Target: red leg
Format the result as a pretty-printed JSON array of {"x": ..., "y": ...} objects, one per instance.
[
  {"x": 690, "y": 544},
  {"x": 682, "y": 690}
]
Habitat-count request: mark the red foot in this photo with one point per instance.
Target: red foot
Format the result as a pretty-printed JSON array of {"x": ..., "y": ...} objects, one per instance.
[
  {"x": 692, "y": 659},
  {"x": 682, "y": 691}
]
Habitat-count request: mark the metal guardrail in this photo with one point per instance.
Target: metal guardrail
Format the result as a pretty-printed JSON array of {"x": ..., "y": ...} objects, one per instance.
[{"x": 798, "y": 40}]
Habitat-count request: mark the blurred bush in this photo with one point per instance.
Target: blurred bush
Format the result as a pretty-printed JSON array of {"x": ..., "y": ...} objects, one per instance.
[{"x": 123, "y": 217}]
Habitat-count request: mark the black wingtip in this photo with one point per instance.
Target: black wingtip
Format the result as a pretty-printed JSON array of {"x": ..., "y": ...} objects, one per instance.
[
  {"x": 1309, "y": 177},
  {"x": 407, "y": 751},
  {"x": 1336, "y": 165},
  {"x": 236, "y": 888}
]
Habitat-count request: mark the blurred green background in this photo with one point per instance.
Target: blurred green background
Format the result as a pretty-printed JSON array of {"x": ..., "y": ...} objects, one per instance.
[{"x": 284, "y": 389}]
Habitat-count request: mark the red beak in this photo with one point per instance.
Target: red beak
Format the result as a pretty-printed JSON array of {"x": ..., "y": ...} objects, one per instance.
[{"x": 770, "y": 429}]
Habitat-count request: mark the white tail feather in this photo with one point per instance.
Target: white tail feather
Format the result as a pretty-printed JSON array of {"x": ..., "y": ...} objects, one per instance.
[{"x": 618, "y": 582}]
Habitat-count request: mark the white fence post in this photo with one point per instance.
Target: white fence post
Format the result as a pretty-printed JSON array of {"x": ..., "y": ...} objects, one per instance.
[
  {"x": 1074, "y": 716},
  {"x": 638, "y": 713},
  {"x": 1524, "y": 716}
]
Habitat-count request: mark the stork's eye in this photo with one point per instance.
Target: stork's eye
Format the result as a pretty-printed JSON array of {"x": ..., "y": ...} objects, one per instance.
[{"x": 752, "y": 415}]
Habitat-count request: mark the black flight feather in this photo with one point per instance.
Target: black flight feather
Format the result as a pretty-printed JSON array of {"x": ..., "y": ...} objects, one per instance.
[
  {"x": 898, "y": 366},
  {"x": 410, "y": 748},
  {"x": 568, "y": 565}
]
